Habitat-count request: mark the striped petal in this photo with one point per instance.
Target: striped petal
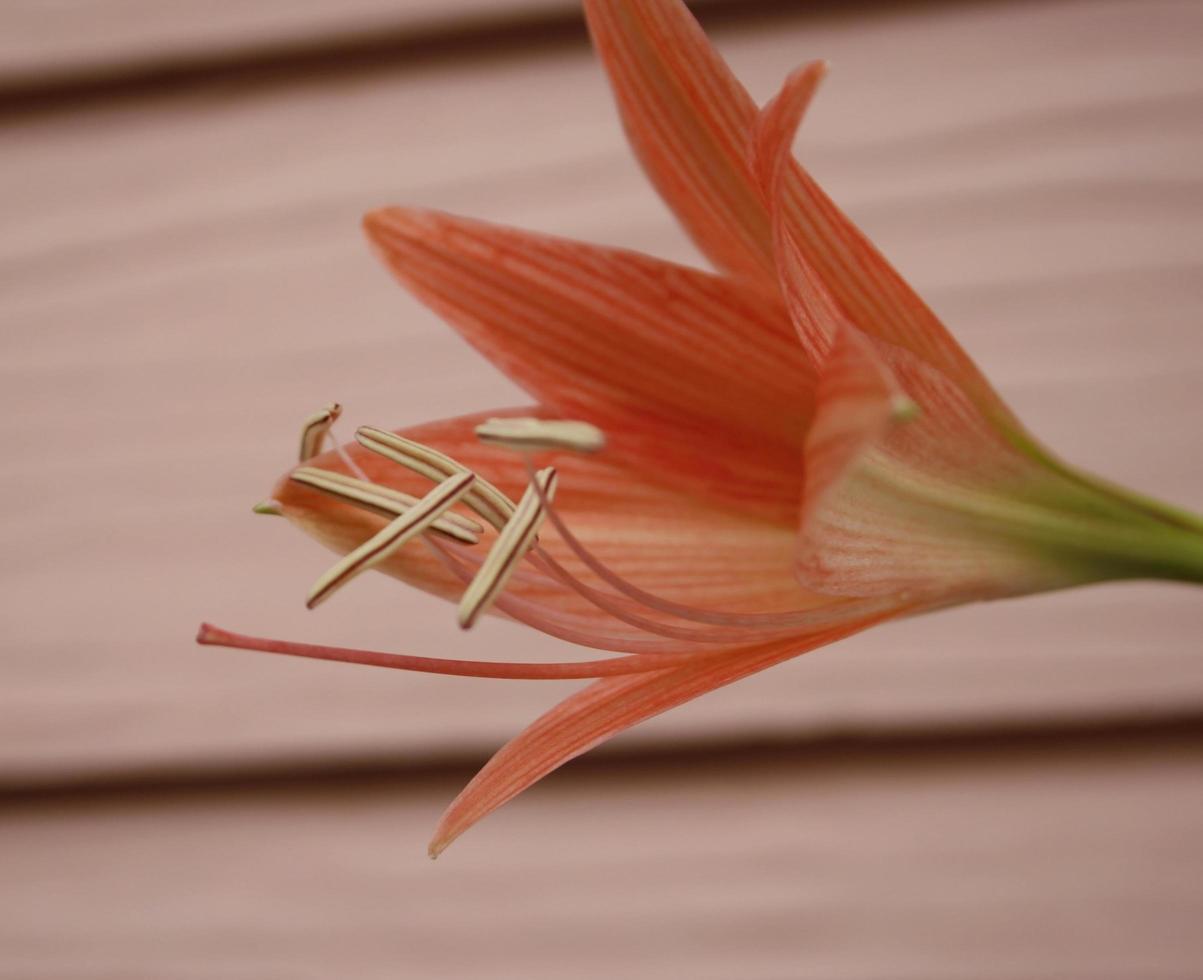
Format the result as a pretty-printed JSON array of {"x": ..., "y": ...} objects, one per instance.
[
  {"x": 688, "y": 119},
  {"x": 687, "y": 373},
  {"x": 604, "y": 709},
  {"x": 826, "y": 264},
  {"x": 708, "y": 151}
]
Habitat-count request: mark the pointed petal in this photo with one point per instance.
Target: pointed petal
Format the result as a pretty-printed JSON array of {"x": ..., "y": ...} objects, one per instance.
[
  {"x": 826, "y": 263},
  {"x": 604, "y": 709},
  {"x": 709, "y": 151},
  {"x": 814, "y": 312},
  {"x": 688, "y": 373},
  {"x": 688, "y": 120},
  {"x": 663, "y": 540}
]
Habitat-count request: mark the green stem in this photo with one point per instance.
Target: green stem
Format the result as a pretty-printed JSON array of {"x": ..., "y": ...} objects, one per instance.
[
  {"x": 1142, "y": 552},
  {"x": 1149, "y": 506}
]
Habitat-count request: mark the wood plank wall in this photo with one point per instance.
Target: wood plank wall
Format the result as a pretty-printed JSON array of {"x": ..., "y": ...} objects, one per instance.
[{"x": 182, "y": 279}]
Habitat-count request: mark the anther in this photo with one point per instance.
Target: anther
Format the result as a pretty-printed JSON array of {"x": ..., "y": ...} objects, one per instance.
[
  {"x": 385, "y": 543},
  {"x": 493, "y": 505},
  {"x": 270, "y": 507},
  {"x": 313, "y": 432},
  {"x": 539, "y": 435},
  {"x": 382, "y": 500},
  {"x": 511, "y": 545},
  {"x": 399, "y": 496}
]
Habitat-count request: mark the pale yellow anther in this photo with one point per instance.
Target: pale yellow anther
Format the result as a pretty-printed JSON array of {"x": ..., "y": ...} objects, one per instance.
[
  {"x": 399, "y": 496},
  {"x": 383, "y": 500},
  {"x": 313, "y": 432},
  {"x": 512, "y": 543},
  {"x": 269, "y": 507},
  {"x": 541, "y": 435},
  {"x": 384, "y": 544},
  {"x": 489, "y": 502}
]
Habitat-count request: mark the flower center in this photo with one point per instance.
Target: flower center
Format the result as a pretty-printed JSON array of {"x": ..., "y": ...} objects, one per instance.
[{"x": 640, "y": 621}]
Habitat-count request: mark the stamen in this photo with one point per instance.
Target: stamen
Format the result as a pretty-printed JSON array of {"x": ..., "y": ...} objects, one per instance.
[
  {"x": 518, "y": 539},
  {"x": 739, "y": 627},
  {"x": 382, "y": 500},
  {"x": 511, "y": 545},
  {"x": 609, "y": 667},
  {"x": 314, "y": 431},
  {"x": 385, "y": 543},
  {"x": 493, "y": 505},
  {"x": 270, "y": 507},
  {"x": 539, "y": 435}
]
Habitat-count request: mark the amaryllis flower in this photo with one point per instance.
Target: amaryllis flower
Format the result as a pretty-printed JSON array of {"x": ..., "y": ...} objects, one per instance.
[{"x": 718, "y": 471}]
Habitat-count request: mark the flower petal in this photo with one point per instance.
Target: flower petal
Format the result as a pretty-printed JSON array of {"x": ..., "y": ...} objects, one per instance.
[
  {"x": 605, "y": 708},
  {"x": 688, "y": 120},
  {"x": 709, "y": 152},
  {"x": 825, "y": 262},
  {"x": 663, "y": 540},
  {"x": 814, "y": 312},
  {"x": 688, "y": 373}
]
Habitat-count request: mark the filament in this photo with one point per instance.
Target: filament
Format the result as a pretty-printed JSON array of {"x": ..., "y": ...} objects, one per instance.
[{"x": 785, "y": 621}]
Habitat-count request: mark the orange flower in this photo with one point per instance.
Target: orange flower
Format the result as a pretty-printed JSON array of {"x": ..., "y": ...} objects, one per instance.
[{"x": 794, "y": 448}]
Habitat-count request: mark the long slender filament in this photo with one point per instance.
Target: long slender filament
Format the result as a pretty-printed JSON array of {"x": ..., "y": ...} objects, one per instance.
[{"x": 800, "y": 619}]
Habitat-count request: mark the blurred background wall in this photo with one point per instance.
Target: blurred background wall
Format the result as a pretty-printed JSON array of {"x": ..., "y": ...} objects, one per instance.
[{"x": 1005, "y": 791}]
